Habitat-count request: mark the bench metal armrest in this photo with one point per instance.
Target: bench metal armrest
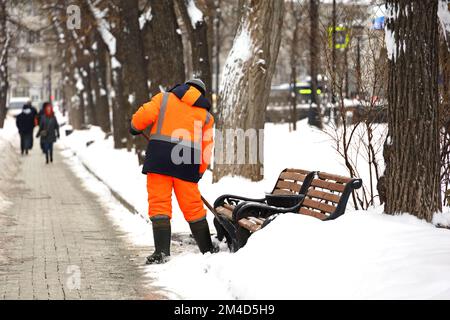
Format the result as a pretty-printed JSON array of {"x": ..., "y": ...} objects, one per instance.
[
  {"x": 229, "y": 198},
  {"x": 255, "y": 209}
]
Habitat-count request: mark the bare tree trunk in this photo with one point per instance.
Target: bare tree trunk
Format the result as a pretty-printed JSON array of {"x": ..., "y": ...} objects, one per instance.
[
  {"x": 245, "y": 88},
  {"x": 217, "y": 46},
  {"x": 412, "y": 147},
  {"x": 294, "y": 62},
  {"x": 99, "y": 84},
  {"x": 198, "y": 36},
  {"x": 163, "y": 47},
  {"x": 4, "y": 45},
  {"x": 314, "y": 113},
  {"x": 89, "y": 99},
  {"x": 130, "y": 49}
]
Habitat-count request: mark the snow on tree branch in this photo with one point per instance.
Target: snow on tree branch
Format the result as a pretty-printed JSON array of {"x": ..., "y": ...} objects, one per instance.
[
  {"x": 145, "y": 17},
  {"x": 444, "y": 18},
  {"x": 240, "y": 54},
  {"x": 103, "y": 27},
  {"x": 194, "y": 13}
]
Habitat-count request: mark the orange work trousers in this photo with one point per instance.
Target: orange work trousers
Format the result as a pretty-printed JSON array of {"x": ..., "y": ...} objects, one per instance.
[{"x": 159, "y": 188}]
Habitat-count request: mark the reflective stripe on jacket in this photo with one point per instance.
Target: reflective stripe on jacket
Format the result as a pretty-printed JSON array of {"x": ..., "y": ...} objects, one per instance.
[{"x": 181, "y": 137}]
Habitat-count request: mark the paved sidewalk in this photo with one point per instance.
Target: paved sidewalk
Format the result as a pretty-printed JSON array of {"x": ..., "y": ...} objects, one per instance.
[{"x": 56, "y": 241}]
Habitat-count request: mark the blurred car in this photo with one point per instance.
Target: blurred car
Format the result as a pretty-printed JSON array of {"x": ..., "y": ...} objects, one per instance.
[{"x": 16, "y": 103}]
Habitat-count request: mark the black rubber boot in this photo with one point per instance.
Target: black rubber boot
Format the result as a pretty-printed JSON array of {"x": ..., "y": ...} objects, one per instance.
[
  {"x": 161, "y": 236},
  {"x": 200, "y": 231}
]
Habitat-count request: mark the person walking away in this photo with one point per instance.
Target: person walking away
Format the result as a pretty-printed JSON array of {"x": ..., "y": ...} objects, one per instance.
[
  {"x": 48, "y": 131},
  {"x": 178, "y": 154},
  {"x": 25, "y": 125},
  {"x": 38, "y": 118}
]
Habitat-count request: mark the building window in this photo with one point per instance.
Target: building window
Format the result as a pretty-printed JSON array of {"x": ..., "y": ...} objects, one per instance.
[
  {"x": 34, "y": 37},
  {"x": 31, "y": 65},
  {"x": 21, "y": 92}
]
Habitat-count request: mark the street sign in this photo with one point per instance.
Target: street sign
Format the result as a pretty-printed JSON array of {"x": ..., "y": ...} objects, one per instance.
[
  {"x": 378, "y": 23},
  {"x": 341, "y": 37}
]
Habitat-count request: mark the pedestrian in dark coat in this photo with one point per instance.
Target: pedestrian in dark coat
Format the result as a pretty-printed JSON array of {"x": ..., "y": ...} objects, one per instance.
[
  {"x": 39, "y": 116},
  {"x": 48, "y": 131},
  {"x": 25, "y": 123}
]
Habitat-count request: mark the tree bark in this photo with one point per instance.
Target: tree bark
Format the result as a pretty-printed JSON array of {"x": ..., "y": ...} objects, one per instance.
[
  {"x": 89, "y": 98},
  {"x": 412, "y": 147},
  {"x": 163, "y": 47},
  {"x": 99, "y": 84},
  {"x": 130, "y": 51},
  {"x": 245, "y": 87},
  {"x": 293, "y": 62},
  {"x": 314, "y": 113},
  {"x": 198, "y": 37},
  {"x": 4, "y": 45}
]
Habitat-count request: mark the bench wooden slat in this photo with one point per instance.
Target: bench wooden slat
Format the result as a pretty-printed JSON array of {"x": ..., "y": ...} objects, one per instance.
[
  {"x": 305, "y": 172},
  {"x": 328, "y": 185},
  {"x": 227, "y": 213},
  {"x": 292, "y": 176},
  {"x": 307, "y": 202},
  {"x": 282, "y": 192},
  {"x": 229, "y": 206},
  {"x": 258, "y": 221},
  {"x": 281, "y": 184},
  {"x": 312, "y": 213},
  {"x": 335, "y": 177},
  {"x": 323, "y": 195},
  {"x": 249, "y": 225}
]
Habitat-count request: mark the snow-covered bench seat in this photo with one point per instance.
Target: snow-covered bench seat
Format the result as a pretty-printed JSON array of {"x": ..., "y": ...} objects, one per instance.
[{"x": 318, "y": 194}]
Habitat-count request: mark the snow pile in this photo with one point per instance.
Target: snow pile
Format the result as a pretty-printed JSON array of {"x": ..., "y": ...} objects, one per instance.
[
  {"x": 361, "y": 255},
  {"x": 443, "y": 218},
  {"x": 9, "y": 160}
]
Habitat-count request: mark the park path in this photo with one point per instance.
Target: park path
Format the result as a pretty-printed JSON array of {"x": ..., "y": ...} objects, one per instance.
[{"x": 56, "y": 241}]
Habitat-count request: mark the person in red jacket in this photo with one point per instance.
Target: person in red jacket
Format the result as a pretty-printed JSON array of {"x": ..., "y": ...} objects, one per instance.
[{"x": 178, "y": 153}]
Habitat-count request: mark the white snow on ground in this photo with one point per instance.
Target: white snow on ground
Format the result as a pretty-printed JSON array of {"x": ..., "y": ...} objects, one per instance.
[
  {"x": 8, "y": 136},
  {"x": 360, "y": 255},
  {"x": 138, "y": 230},
  {"x": 442, "y": 218}
]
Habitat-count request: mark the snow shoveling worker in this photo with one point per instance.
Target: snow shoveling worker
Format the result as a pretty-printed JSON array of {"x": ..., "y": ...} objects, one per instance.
[{"x": 178, "y": 153}]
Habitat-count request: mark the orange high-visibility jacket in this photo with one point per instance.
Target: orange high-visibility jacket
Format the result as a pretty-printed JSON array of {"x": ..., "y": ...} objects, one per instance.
[{"x": 181, "y": 137}]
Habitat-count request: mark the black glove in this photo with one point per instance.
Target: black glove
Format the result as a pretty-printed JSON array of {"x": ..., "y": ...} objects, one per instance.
[{"x": 134, "y": 132}]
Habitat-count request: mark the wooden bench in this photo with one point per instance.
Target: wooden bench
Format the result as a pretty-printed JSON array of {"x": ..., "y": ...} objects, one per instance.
[{"x": 317, "y": 194}]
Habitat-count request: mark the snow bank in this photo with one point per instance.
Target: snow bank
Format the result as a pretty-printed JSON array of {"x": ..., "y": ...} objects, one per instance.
[
  {"x": 362, "y": 255},
  {"x": 9, "y": 159}
]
